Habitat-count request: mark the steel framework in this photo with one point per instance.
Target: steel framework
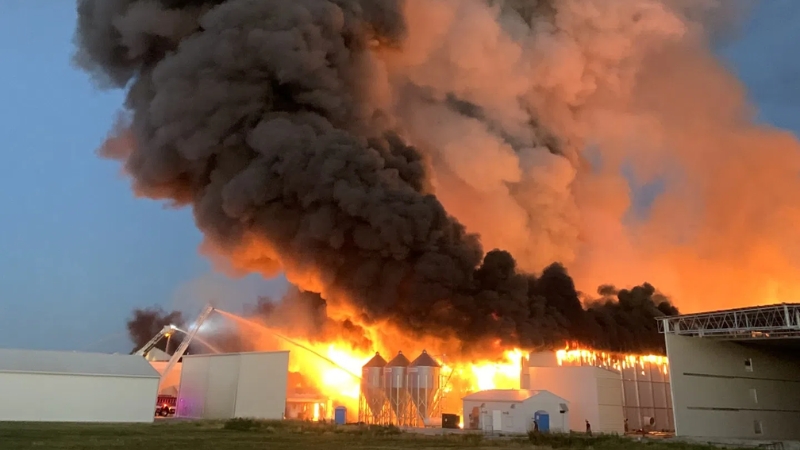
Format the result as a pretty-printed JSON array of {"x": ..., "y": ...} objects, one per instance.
[{"x": 774, "y": 321}]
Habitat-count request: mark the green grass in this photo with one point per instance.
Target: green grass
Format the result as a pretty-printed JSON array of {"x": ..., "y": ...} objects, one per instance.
[{"x": 249, "y": 434}]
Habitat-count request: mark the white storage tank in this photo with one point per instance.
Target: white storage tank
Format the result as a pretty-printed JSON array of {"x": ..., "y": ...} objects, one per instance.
[
  {"x": 424, "y": 383},
  {"x": 373, "y": 391},
  {"x": 395, "y": 383}
]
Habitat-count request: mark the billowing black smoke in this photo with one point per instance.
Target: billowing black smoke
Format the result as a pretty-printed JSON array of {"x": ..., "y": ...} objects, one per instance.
[
  {"x": 144, "y": 324},
  {"x": 257, "y": 113}
]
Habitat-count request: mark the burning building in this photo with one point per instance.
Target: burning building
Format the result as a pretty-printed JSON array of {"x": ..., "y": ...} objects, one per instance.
[
  {"x": 327, "y": 140},
  {"x": 615, "y": 392},
  {"x": 304, "y": 401}
]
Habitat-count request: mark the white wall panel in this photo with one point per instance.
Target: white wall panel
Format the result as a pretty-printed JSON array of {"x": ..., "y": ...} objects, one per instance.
[
  {"x": 262, "y": 385},
  {"x": 711, "y": 390},
  {"x": 609, "y": 402},
  {"x": 76, "y": 398},
  {"x": 193, "y": 386},
  {"x": 223, "y": 380},
  {"x": 249, "y": 385}
]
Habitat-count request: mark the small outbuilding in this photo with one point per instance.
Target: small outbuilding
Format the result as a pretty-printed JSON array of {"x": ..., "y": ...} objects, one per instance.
[
  {"x": 515, "y": 411},
  {"x": 225, "y": 386},
  {"x": 54, "y": 386}
]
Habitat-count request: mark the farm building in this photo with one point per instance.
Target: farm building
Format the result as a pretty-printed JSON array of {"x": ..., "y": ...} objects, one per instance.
[
  {"x": 594, "y": 393},
  {"x": 52, "y": 386},
  {"x": 224, "y": 386},
  {"x": 515, "y": 410},
  {"x": 735, "y": 374}
]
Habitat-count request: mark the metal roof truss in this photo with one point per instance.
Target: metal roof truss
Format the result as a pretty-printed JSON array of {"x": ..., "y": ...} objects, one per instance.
[{"x": 775, "y": 321}]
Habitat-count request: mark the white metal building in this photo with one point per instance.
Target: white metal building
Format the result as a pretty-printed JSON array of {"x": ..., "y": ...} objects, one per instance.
[
  {"x": 593, "y": 393},
  {"x": 514, "y": 411},
  {"x": 52, "y": 386},
  {"x": 736, "y": 374},
  {"x": 170, "y": 384},
  {"x": 224, "y": 386}
]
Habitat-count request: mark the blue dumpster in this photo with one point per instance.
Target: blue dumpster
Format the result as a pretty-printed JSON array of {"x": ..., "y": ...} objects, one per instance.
[{"x": 340, "y": 415}]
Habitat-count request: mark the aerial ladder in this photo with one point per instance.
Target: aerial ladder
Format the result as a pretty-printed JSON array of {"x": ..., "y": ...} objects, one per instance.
[
  {"x": 178, "y": 354},
  {"x": 166, "y": 404},
  {"x": 184, "y": 345},
  {"x": 146, "y": 348}
]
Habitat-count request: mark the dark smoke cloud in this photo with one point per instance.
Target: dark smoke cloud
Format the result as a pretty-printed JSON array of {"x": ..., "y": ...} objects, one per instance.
[
  {"x": 257, "y": 114},
  {"x": 146, "y": 323},
  {"x": 306, "y": 313},
  {"x": 626, "y": 319}
]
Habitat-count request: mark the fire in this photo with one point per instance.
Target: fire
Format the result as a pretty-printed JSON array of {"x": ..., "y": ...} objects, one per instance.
[
  {"x": 571, "y": 356},
  {"x": 341, "y": 382},
  {"x": 483, "y": 375},
  {"x": 331, "y": 371}
]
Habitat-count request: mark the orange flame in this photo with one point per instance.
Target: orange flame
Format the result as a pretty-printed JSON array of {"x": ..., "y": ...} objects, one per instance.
[
  {"x": 570, "y": 356},
  {"x": 332, "y": 370}
]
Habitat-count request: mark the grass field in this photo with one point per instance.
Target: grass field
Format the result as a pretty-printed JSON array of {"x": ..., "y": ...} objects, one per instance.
[{"x": 241, "y": 435}]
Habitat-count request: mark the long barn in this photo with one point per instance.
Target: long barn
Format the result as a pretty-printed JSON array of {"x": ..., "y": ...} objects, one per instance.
[{"x": 52, "y": 386}]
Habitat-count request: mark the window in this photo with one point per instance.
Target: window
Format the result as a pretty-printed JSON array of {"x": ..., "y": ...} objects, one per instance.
[
  {"x": 754, "y": 395},
  {"x": 757, "y": 427},
  {"x": 748, "y": 365}
]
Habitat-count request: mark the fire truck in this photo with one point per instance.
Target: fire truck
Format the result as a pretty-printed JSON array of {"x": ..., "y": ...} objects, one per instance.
[{"x": 165, "y": 405}]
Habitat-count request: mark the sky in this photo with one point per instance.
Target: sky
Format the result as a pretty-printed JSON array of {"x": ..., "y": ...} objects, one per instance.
[{"x": 78, "y": 252}]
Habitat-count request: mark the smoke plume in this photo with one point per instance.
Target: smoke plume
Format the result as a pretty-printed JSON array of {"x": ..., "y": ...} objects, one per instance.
[
  {"x": 374, "y": 149},
  {"x": 146, "y": 323}
]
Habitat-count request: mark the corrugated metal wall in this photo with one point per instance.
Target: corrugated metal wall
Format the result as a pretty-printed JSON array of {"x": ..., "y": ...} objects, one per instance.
[
  {"x": 262, "y": 385},
  {"x": 193, "y": 386},
  {"x": 223, "y": 380},
  {"x": 609, "y": 403},
  {"x": 234, "y": 385},
  {"x": 646, "y": 393}
]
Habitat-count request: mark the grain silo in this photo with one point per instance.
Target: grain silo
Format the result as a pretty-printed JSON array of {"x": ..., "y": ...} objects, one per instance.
[
  {"x": 424, "y": 387},
  {"x": 373, "y": 406},
  {"x": 396, "y": 389}
]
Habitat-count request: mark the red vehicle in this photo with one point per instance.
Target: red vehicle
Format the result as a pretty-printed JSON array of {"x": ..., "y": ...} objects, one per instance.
[{"x": 165, "y": 405}]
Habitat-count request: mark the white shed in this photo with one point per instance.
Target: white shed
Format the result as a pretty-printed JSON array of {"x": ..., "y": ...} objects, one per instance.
[
  {"x": 225, "y": 386},
  {"x": 52, "y": 386},
  {"x": 514, "y": 411}
]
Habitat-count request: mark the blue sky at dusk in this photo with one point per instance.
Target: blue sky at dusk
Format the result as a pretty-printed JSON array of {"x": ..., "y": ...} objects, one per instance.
[{"x": 78, "y": 252}]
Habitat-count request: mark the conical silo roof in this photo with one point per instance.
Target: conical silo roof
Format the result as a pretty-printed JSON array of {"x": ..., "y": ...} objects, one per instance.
[
  {"x": 424, "y": 360},
  {"x": 376, "y": 361},
  {"x": 398, "y": 361}
]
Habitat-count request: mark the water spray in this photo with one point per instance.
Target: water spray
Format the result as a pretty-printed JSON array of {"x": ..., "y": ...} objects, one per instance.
[{"x": 257, "y": 325}]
